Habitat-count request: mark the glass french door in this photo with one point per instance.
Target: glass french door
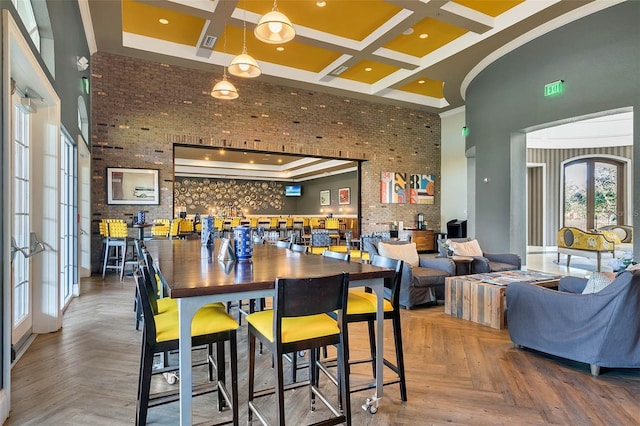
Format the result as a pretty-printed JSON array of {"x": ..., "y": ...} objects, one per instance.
[
  {"x": 68, "y": 215},
  {"x": 593, "y": 193},
  {"x": 20, "y": 210}
]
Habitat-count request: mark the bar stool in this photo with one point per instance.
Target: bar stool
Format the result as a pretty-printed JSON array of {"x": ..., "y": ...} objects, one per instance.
[
  {"x": 293, "y": 325},
  {"x": 160, "y": 335},
  {"x": 115, "y": 247}
]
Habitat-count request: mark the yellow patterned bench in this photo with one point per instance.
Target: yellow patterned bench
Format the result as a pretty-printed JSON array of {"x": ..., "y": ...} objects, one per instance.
[{"x": 573, "y": 241}]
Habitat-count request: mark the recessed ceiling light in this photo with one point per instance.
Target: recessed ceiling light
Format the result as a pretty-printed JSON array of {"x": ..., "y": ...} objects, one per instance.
[
  {"x": 279, "y": 160},
  {"x": 250, "y": 161},
  {"x": 321, "y": 3},
  {"x": 420, "y": 81},
  {"x": 368, "y": 69},
  {"x": 408, "y": 31},
  {"x": 163, "y": 21},
  {"x": 280, "y": 49},
  {"x": 423, "y": 35},
  {"x": 206, "y": 158}
]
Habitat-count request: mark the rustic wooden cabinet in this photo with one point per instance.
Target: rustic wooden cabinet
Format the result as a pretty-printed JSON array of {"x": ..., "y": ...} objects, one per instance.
[{"x": 424, "y": 239}]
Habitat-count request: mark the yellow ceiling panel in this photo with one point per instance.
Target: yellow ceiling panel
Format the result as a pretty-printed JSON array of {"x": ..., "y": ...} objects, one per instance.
[
  {"x": 368, "y": 72},
  {"x": 492, "y": 8},
  {"x": 295, "y": 55},
  {"x": 142, "y": 19},
  {"x": 438, "y": 34},
  {"x": 425, "y": 87},
  {"x": 351, "y": 19}
]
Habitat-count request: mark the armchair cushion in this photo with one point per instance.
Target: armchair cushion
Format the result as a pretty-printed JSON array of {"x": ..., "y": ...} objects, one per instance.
[
  {"x": 405, "y": 252},
  {"x": 597, "y": 281},
  {"x": 466, "y": 248}
]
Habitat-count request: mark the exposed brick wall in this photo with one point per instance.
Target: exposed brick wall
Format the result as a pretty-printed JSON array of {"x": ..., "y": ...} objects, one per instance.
[{"x": 141, "y": 108}]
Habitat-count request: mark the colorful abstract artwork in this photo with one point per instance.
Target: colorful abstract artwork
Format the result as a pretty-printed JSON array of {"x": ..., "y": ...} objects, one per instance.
[
  {"x": 393, "y": 188},
  {"x": 422, "y": 189}
]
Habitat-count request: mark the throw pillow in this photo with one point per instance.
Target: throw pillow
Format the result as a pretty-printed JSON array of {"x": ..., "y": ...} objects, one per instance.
[
  {"x": 405, "y": 252},
  {"x": 597, "y": 281},
  {"x": 468, "y": 248}
]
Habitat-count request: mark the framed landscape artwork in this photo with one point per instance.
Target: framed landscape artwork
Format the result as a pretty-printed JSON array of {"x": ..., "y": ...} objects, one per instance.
[
  {"x": 344, "y": 196},
  {"x": 132, "y": 186},
  {"x": 325, "y": 197}
]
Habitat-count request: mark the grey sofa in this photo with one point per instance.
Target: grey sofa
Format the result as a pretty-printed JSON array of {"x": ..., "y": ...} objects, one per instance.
[
  {"x": 421, "y": 284},
  {"x": 488, "y": 262},
  {"x": 600, "y": 329}
]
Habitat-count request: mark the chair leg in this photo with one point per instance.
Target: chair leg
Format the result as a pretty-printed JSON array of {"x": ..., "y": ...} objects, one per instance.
[
  {"x": 313, "y": 376},
  {"x": 397, "y": 334},
  {"x": 123, "y": 260},
  {"x": 279, "y": 390},
  {"x": 343, "y": 359},
  {"x": 251, "y": 375},
  {"x": 144, "y": 386},
  {"x": 233, "y": 348},
  {"x": 220, "y": 372}
]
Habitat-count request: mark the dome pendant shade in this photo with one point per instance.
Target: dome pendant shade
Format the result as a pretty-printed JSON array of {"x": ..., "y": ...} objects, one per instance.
[
  {"x": 224, "y": 89},
  {"x": 274, "y": 28},
  {"x": 244, "y": 66}
]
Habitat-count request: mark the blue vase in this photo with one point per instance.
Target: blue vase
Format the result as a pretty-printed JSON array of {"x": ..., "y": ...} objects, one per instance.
[
  {"x": 242, "y": 242},
  {"x": 140, "y": 218},
  {"x": 207, "y": 234}
]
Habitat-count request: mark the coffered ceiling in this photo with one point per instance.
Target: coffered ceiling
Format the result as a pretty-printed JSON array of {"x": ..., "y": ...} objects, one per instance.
[{"x": 416, "y": 53}]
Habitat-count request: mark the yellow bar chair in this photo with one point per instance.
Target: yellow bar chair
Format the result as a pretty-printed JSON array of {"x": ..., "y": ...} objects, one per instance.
[{"x": 296, "y": 324}]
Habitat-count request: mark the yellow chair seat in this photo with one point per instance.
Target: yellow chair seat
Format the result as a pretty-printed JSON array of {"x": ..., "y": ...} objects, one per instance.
[
  {"x": 365, "y": 303},
  {"x": 317, "y": 250},
  {"x": 294, "y": 329},
  {"x": 205, "y": 321}
]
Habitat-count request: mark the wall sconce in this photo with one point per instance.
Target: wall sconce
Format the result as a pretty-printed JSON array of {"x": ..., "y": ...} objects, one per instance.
[
  {"x": 465, "y": 131},
  {"x": 486, "y": 180}
]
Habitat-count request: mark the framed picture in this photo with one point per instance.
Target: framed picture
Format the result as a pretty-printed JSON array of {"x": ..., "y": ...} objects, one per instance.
[
  {"x": 325, "y": 197},
  {"x": 132, "y": 186},
  {"x": 344, "y": 196}
]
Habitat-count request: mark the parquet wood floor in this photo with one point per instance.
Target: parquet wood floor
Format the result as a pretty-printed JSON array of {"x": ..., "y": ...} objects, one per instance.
[{"x": 458, "y": 373}]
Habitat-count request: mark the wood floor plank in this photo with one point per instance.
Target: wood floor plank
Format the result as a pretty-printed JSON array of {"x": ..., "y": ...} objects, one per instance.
[{"x": 458, "y": 372}]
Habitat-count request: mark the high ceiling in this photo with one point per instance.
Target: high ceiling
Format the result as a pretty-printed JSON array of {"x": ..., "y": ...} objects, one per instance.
[
  {"x": 225, "y": 163},
  {"x": 415, "y": 53}
]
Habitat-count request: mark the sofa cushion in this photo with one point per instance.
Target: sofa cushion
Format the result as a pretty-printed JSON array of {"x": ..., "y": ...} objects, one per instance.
[
  {"x": 405, "y": 252},
  {"x": 597, "y": 281},
  {"x": 468, "y": 248},
  {"x": 427, "y": 277}
]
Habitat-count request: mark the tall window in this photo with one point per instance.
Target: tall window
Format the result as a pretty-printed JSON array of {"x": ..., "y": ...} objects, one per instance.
[
  {"x": 593, "y": 193},
  {"x": 68, "y": 214},
  {"x": 25, "y": 11},
  {"x": 21, "y": 227}
]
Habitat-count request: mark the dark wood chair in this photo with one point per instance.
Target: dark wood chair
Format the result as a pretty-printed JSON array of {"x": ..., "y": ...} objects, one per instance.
[
  {"x": 285, "y": 329},
  {"x": 362, "y": 306},
  {"x": 160, "y": 335}
]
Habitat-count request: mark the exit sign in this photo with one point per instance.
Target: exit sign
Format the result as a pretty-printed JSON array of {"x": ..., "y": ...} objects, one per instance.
[{"x": 554, "y": 89}]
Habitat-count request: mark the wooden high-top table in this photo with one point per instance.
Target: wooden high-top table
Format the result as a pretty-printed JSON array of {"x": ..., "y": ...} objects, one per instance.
[{"x": 196, "y": 277}]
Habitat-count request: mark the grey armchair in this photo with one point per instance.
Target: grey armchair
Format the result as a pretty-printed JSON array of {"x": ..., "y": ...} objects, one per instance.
[
  {"x": 419, "y": 284},
  {"x": 488, "y": 262},
  {"x": 600, "y": 329}
]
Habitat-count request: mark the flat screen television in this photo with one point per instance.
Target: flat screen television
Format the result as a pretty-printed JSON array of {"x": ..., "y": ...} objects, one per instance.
[{"x": 292, "y": 191}]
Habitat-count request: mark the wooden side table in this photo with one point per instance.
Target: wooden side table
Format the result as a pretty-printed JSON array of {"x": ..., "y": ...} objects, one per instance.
[{"x": 462, "y": 262}]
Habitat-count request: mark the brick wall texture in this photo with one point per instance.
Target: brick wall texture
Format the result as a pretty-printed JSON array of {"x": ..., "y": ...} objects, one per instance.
[{"x": 140, "y": 109}]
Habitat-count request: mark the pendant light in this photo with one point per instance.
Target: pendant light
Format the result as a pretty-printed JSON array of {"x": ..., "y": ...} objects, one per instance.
[
  {"x": 274, "y": 27},
  {"x": 224, "y": 89},
  {"x": 244, "y": 65}
]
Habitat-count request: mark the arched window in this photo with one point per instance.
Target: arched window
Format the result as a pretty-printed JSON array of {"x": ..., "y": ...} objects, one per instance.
[
  {"x": 25, "y": 11},
  {"x": 594, "y": 193}
]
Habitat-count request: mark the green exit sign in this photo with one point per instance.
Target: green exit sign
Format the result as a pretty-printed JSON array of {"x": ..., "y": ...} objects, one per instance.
[{"x": 554, "y": 89}]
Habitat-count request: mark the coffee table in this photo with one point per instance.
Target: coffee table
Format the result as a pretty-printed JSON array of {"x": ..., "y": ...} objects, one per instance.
[{"x": 481, "y": 297}]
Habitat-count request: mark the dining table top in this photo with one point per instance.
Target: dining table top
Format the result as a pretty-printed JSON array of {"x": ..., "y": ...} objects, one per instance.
[{"x": 192, "y": 269}]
